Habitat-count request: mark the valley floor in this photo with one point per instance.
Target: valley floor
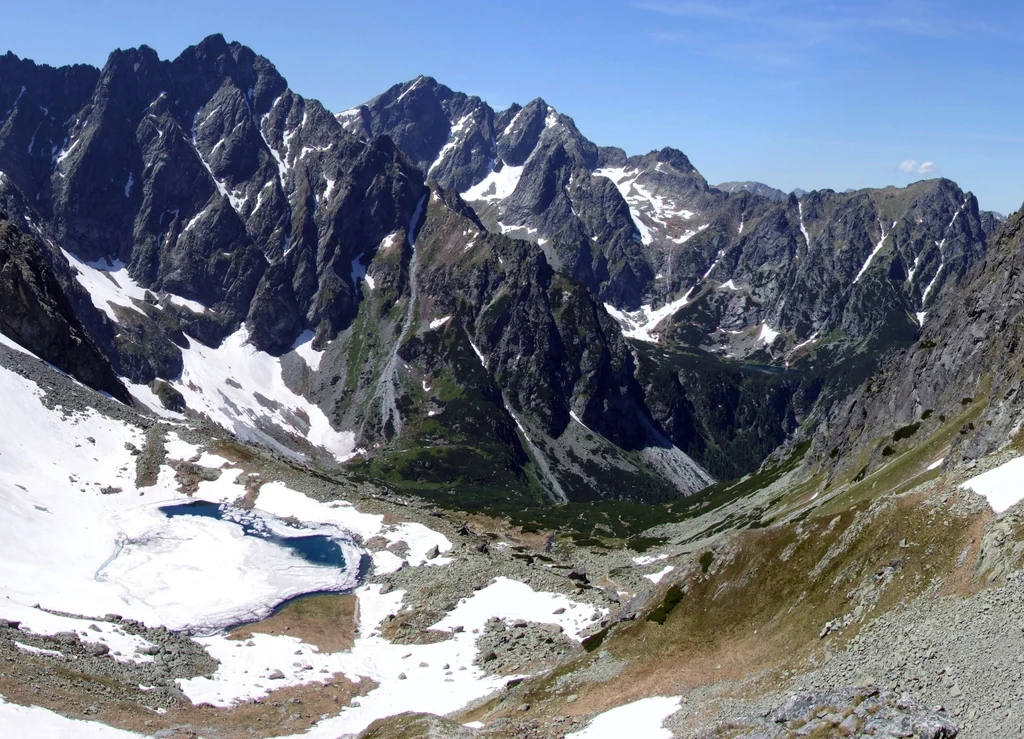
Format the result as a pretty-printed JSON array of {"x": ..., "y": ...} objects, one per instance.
[{"x": 128, "y": 621}]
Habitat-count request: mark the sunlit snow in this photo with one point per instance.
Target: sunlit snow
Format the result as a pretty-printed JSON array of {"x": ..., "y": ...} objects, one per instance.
[
  {"x": 642, "y": 718},
  {"x": 108, "y": 284},
  {"x": 656, "y": 577},
  {"x": 496, "y": 185},
  {"x": 1002, "y": 487},
  {"x": 303, "y": 346},
  {"x": 242, "y": 389},
  {"x": 767, "y": 335},
  {"x": 642, "y": 323}
]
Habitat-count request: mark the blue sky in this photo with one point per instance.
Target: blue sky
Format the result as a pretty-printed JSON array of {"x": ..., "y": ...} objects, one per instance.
[{"x": 793, "y": 93}]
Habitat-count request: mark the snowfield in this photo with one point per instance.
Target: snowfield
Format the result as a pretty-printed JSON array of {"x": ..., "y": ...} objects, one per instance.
[
  {"x": 243, "y": 390},
  {"x": 1002, "y": 487},
  {"x": 92, "y": 542},
  {"x": 435, "y": 678},
  {"x": 235, "y": 385},
  {"x": 80, "y": 536},
  {"x": 642, "y": 718}
]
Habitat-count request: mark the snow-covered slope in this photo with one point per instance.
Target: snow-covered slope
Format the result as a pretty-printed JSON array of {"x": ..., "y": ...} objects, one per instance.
[{"x": 83, "y": 535}]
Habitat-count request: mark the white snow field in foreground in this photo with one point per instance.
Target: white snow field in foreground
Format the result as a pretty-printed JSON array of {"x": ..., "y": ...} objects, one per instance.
[
  {"x": 1002, "y": 486},
  {"x": 78, "y": 535},
  {"x": 33, "y": 722},
  {"x": 428, "y": 684},
  {"x": 642, "y": 718}
]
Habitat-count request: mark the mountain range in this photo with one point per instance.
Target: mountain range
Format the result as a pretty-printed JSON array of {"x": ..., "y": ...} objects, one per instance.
[
  {"x": 573, "y": 321},
  {"x": 581, "y": 427}
]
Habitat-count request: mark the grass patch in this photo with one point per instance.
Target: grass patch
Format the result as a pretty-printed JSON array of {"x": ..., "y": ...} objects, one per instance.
[
  {"x": 905, "y": 432},
  {"x": 705, "y": 561},
  {"x": 673, "y": 597}
]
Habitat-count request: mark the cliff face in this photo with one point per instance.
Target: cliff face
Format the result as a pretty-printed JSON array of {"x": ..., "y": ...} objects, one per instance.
[{"x": 35, "y": 313}]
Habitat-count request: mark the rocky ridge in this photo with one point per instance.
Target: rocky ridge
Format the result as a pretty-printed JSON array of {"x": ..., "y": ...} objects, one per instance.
[{"x": 215, "y": 199}]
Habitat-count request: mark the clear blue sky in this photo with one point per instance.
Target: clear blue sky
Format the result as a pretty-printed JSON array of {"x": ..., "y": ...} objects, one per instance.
[{"x": 795, "y": 93}]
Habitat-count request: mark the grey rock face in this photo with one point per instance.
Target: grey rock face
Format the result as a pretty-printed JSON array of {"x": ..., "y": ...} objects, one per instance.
[
  {"x": 756, "y": 188},
  {"x": 520, "y": 351},
  {"x": 448, "y": 135},
  {"x": 35, "y": 313},
  {"x": 210, "y": 180},
  {"x": 859, "y": 712},
  {"x": 965, "y": 358}
]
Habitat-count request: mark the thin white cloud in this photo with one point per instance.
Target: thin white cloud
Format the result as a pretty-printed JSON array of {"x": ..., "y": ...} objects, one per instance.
[
  {"x": 907, "y": 166},
  {"x": 927, "y": 168}
]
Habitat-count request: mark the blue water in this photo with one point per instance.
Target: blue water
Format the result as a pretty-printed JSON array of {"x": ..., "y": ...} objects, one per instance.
[{"x": 315, "y": 548}]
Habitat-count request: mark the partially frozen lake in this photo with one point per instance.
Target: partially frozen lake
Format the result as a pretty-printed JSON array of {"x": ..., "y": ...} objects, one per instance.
[{"x": 317, "y": 549}]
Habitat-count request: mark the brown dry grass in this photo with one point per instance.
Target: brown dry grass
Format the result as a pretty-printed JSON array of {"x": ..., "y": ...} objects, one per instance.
[
  {"x": 755, "y": 614},
  {"x": 286, "y": 711},
  {"x": 329, "y": 622},
  {"x": 537, "y": 541}
]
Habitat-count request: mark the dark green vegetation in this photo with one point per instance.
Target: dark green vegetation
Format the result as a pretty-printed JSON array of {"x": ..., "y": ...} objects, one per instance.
[
  {"x": 727, "y": 416},
  {"x": 905, "y": 432},
  {"x": 673, "y": 597}
]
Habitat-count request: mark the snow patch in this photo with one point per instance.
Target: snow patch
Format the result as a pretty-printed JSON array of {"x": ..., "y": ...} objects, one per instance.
[
  {"x": 646, "y": 559},
  {"x": 577, "y": 419},
  {"x": 193, "y": 305},
  {"x": 108, "y": 284},
  {"x": 479, "y": 354},
  {"x": 303, "y": 346},
  {"x": 812, "y": 339},
  {"x": 1002, "y": 487},
  {"x": 803, "y": 228},
  {"x": 642, "y": 323},
  {"x": 767, "y": 335},
  {"x": 453, "y": 141},
  {"x": 439, "y": 322},
  {"x": 689, "y": 234},
  {"x": 242, "y": 389},
  {"x": 410, "y": 88},
  {"x": 656, "y": 577},
  {"x": 642, "y": 718},
  {"x": 878, "y": 248},
  {"x": 496, "y": 185}
]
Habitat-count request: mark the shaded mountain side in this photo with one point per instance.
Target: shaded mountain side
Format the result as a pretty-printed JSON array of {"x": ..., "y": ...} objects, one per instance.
[
  {"x": 36, "y": 314},
  {"x": 728, "y": 417},
  {"x": 959, "y": 383},
  {"x": 503, "y": 375}
]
